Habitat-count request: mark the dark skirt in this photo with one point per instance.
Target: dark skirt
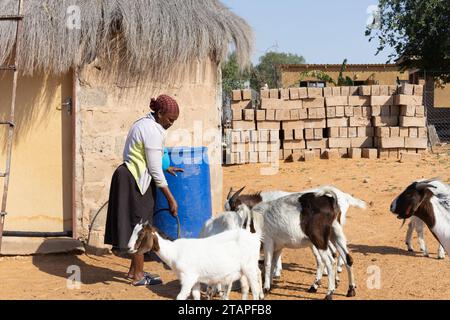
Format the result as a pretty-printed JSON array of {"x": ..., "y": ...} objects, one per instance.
[{"x": 126, "y": 207}]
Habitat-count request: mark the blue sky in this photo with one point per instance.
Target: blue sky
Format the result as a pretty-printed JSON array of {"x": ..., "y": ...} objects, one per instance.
[{"x": 323, "y": 31}]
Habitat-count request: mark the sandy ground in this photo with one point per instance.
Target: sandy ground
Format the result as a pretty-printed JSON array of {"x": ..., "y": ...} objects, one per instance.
[{"x": 375, "y": 240}]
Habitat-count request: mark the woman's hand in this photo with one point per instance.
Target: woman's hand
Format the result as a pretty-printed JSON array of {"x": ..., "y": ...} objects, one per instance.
[
  {"x": 173, "y": 171},
  {"x": 173, "y": 205}
]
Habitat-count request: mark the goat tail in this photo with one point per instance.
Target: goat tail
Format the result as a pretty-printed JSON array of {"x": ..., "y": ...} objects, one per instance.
[{"x": 354, "y": 202}]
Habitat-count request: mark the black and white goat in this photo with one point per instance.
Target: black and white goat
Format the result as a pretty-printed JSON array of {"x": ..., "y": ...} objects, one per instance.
[
  {"x": 299, "y": 220},
  {"x": 418, "y": 225},
  {"x": 429, "y": 200}
]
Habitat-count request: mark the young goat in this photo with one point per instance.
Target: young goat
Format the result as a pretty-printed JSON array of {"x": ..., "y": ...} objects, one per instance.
[
  {"x": 429, "y": 200},
  {"x": 418, "y": 225},
  {"x": 299, "y": 220},
  {"x": 223, "y": 258}
]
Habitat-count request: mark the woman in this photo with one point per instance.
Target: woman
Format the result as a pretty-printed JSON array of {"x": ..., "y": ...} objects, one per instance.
[{"x": 134, "y": 183}]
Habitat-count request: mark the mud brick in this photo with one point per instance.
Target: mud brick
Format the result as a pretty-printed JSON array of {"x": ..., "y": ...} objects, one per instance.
[
  {"x": 385, "y": 121},
  {"x": 282, "y": 115},
  {"x": 298, "y": 134},
  {"x": 395, "y": 111},
  {"x": 270, "y": 104},
  {"x": 353, "y": 132},
  {"x": 408, "y": 111},
  {"x": 269, "y": 125},
  {"x": 293, "y": 94},
  {"x": 274, "y": 135},
  {"x": 340, "y": 112},
  {"x": 376, "y": 111},
  {"x": 413, "y": 133},
  {"x": 375, "y": 90},
  {"x": 393, "y": 154},
  {"x": 315, "y": 124},
  {"x": 363, "y": 142},
  {"x": 384, "y": 90},
  {"x": 249, "y": 114},
  {"x": 357, "y": 111},
  {"x": 245, "y": 135},
  {"x": 404, "y": 100},
  {"x": 247, "y": 94},
  {"x": 354, "y": 91},
  {"x": 232, "y": 158},
  {"x": 385, "y": 111},
  {"x": 312, "y": 113},
  {"x": 420, "y": 111},
  {"x": 237, "y": 114},
  {"x": 321, "y": 113},
  {"x": 336, "y": 101},
  {"x": 314, "y": 103},
  {"x": 243, "y": 157},
  {"x": 315, "y": 93},
  {"x": 331, "y": 154},
  {"x": 406, "y": 88},
  {"x": 339, "y": 143},
  {"x": 410, "y": 157},
  {"x": 359, "y": 121},
  {"x": 294, "y": 114},
  {"x": 422, "y": 132},
  {"x": 387, "y": 143},
  {"x": 270, "y": 114},
  {"x": 309, "y": 155},
  {"x": 236, "y": 136},
  {"x": 303, "y": 93},
  {"x": 264, "y": 135},
  {"x": 369, "y": 153},
  {"x": 281, "y": 155},
  {"x": 284, "y": 94},
  {"x": 331, "y": 112},
  {"x": 317, "y": 144},
  {"x": 343, "y": 132},
  {"x": 273, "y": 157},
  {"x": 297, "y": 155},
  {"x": 333, "y": 132},
  {"x": 355, "y": 153},
  {"x": 343, "y": 152},
  {"x": 404, "y": 132},
  {"x": 303, "y": 114},
  {"x": 236, "y": 95},
  {"x": 252, "y": 147},
  {"x": 294, "y": 144},
  {"x": 262, "y": 147},
  {"x": 382, "y": 100},
  {"x": 395, "y": 132},
  {"x": 264, "y": 94},
  {"x": 273, "y": 146},
  {"x": 393, "y": 90},
  {"x": 292, "y": 125},
  {"x": 412, "y": 122},
  {"x": 318, "y": 134},
  {"x": 345, "y": 91},
  {"x": 383, "y": 132},
  {"x": 328, "y": 92},
  {"x": 383, "y": 154},
  {"x": 418, "y": 143},
  {"x": 260, "y": 115},
  {"x": 365, "y": 132},
  {"x": 244, "y": 125},
  {"x": 241, "y": 105},
  {"x": 418, "y": 90},
  {"x": 254, "y": 136},
  {"x": 359, "y": 101},
  {"x": 366, "y": 111},
  {"x": 348, "y": 111},
  {"x": 309, "y": 134},
  {"x": 288, "y": 134},
  {"x": 338, "y": 122},
  {"x": 336, "y": 91},
  {"x": 274, "y": 94},
  {"x": 253, "y": 157},
  {"x": 238, "y": 147},
  {"x": 291, "y": 104},
  {"x": 262, "y": 157}
]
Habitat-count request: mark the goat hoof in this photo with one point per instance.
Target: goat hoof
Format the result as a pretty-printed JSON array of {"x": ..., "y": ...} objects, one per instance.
[
  {"x": 329, "y": 297},
  {"x": 351, "y": 292},
  {"x": 410, "y": 250},
  {"x": 441, "y": 257},
  {"x": 312, "y": 290},
  {"x": 337, "y": 283},
  {"x": 266, "y": 291}
]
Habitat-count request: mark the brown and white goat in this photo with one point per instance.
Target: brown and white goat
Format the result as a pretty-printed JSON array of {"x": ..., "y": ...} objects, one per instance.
[{"x": 429, "y": 200}]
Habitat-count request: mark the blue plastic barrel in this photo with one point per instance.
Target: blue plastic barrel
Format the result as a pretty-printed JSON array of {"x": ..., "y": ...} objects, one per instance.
[{"x": 192, "y": 191}]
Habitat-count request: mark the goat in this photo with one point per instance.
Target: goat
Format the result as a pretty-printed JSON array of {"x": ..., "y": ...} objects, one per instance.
[
  {"x": 345, "y": 200},
  {"x": 429, "y": 200},
  {"x": 222, "y": 258},
  {"x": 418, "y": 225},
  {"x": 299, "y": 220}
]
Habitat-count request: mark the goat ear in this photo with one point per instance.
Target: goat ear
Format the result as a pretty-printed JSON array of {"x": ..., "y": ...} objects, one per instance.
[{"x": 155, "y": 243}]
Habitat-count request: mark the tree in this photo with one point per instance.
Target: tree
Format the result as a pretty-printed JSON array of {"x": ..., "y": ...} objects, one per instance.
[
  {"x": 419, "y": 31},
  {"x": 323, "y": 76},
  {"x": 267, "y": 71},
  {"x": 232, "y": 77}
]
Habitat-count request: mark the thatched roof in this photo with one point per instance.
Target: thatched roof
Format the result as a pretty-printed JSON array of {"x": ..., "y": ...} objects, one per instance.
[{"x": 156, "y": 37}]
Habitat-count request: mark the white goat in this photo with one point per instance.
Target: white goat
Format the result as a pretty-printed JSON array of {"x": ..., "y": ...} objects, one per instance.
[
  {"x": 222, "y": 258},
  {"x": 418, "y": 225},
  {"x": 429, "y": 200}
]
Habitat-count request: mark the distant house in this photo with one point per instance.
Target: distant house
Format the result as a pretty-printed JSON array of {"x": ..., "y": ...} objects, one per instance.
[{"x": 361, "y": 74}]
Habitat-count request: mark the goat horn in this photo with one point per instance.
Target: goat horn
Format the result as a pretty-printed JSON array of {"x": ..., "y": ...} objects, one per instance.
[
  {"x": 424, "y": 185},
  {"x": 236, "y": 195},
  {"x": 229, "y": 193}
]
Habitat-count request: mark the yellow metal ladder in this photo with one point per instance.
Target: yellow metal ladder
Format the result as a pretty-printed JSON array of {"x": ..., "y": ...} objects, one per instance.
[{"x": 13, "y": 67}]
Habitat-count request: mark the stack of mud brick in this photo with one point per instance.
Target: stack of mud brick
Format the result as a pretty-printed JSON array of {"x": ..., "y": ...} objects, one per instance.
[
  {"x": 300, "y": 115},
  {"x": 252, "y": 146},
  {"x": 242, "y": 110},
  {"x": 403, "y": 132}
]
